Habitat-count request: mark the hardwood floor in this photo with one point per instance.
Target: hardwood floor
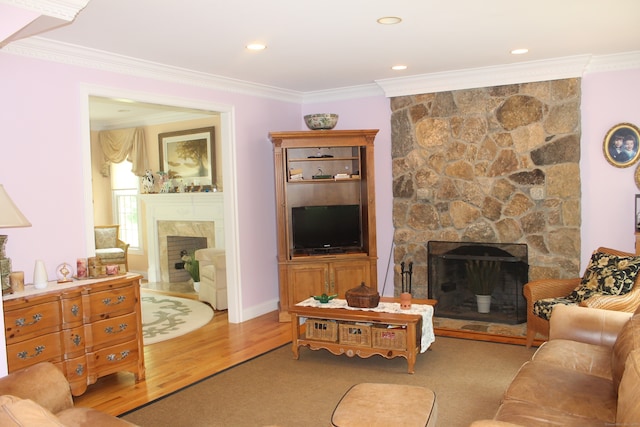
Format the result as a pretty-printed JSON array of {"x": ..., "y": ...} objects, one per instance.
[{"x": 174, "y": 364}]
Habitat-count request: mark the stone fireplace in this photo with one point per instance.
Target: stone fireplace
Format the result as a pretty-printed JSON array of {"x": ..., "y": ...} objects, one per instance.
[
  {"x": 184, "y": 215},
  {"x": 488, "y": 165}
]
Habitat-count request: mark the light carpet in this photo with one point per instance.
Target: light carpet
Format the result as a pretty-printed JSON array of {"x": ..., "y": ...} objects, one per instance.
[
  {"x": 165, "y": 317},
  {"x": 468, "y": 377}
]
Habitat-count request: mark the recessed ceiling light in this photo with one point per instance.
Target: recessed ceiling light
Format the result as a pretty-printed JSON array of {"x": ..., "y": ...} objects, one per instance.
[
  {"x": 389, "y": 20},
  {"x": 399, "y": 67},
  {"x": 256, "y": 46},
  {"x": 521, "y": 51}
]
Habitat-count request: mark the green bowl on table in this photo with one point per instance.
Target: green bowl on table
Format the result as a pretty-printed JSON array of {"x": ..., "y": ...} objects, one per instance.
[{"x": 324, "y": 298}]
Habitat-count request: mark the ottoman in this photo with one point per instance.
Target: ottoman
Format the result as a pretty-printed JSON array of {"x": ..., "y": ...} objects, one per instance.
[{"x": 384, "y": 405}]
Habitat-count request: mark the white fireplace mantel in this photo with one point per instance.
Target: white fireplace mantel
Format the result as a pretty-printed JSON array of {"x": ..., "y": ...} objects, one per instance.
[{"x": 180, "y": 207}]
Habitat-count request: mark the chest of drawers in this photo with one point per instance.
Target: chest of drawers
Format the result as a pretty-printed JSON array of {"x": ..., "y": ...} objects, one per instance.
[{"x": 88, "y": 328}]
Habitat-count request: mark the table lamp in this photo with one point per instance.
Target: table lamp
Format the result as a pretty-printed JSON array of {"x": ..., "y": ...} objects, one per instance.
[{"x": 10, "y": 217}]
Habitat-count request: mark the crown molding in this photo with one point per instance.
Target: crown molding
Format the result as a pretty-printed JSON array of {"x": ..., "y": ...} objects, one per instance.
[
  {"x": 40, "y": 48},
  {"x": 522, "y": 72},
  {"x": 339, "y": 94},
  {"x": 614, "y": 62},
  {"x": 560, "y": 68},
  {"x": 61, "y": 9},
  {"x": 533, "y": 71}
]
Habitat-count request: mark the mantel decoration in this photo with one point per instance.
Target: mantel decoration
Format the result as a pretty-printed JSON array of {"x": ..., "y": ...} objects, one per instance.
[
  {"x": 621, "y": 145},
  {"x": 189, "y": 154}
]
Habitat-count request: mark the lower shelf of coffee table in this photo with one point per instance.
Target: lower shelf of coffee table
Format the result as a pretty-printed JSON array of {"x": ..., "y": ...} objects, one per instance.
[{"x": 364, "y": 333}]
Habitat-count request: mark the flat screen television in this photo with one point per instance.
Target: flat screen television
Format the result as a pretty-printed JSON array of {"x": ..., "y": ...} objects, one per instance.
[{"x": 331, "y": 228}]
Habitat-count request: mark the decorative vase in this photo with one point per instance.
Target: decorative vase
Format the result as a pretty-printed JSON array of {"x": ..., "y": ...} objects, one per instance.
[
  {"x": 40, "y": 278},
  {"x": 405, "y": 301},
  {"x": 196, "y": 286},
  {"x": 484, "y": 303}
]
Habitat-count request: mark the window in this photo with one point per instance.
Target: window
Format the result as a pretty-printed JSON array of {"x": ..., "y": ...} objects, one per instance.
[{"x": 125, "y": 186}]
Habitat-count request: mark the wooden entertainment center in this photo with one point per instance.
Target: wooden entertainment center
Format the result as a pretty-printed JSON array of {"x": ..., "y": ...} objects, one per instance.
[
  {"x": 87, "y": 328},
  {"x": 324, "y": 168}
]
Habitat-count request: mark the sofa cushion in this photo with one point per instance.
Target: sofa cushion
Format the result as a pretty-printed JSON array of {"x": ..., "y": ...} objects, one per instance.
[
  {"x": 628, "y": 341},
  {"x": 532, "y": 415},
  {"x": 564, "y": 390},
  {"x": 106, "y": 237},
  {"x": 543, "y": 307},
  {"x": 89, "y": 417},
  {"x": 628, "y": 406},
  {"x": 578, "y": 356},
  {"x": 25, "y": 413}
]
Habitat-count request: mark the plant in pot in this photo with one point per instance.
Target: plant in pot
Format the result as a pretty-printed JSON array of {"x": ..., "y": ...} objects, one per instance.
[
  {"x": 192, "y": 266},
  {"x": 482, "y": 278}
]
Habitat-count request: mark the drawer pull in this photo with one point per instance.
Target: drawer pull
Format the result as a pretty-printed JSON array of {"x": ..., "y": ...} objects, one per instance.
[
  {"x": 76, "y": 339},
  {"x": 25, "y": 355},
  {"x": 75, "y": 309},
  {"x": 80, "y": 369},
  {"x": 23, "y": 322},
  {"x": 119, "y": 300},
  {"x": 114, "y": 358},
  {"x": 110, "y": 330}
]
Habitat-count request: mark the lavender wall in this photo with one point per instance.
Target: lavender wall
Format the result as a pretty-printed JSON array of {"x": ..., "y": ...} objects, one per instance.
[
  {"x": 42, "y": 170},
  {"x": 42, "y": 163},
  {"x": 608, "y": 193}
]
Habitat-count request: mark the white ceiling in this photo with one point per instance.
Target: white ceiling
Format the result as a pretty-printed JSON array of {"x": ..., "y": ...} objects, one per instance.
[{"x": 316, "y": 46}]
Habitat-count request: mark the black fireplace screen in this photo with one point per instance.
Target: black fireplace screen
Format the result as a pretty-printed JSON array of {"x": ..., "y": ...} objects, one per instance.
[{"x": 458, "y": 271}]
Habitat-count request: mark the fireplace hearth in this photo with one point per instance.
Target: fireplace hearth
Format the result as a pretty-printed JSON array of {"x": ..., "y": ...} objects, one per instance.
[{"x": 448, "y": 280}]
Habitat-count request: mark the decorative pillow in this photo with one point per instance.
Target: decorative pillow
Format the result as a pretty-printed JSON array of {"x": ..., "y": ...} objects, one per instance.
[
  {"x": 608, "y": 275},
  {"x": 106, "y": 238}
]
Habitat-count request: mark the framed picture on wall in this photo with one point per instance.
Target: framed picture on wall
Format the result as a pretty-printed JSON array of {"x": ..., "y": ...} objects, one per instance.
[
  {"x": 189, "y": 155},
  {"x": 621, "y": 145}
]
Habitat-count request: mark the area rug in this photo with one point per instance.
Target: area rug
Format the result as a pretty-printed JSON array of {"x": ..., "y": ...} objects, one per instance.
[
  {"x": 468, "y": 377},
  {"x": 165, "y": 317}
]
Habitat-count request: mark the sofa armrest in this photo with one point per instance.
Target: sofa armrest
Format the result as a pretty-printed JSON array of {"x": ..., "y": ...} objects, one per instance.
[
  {"x": 587, "y": 325},
  {"x": 549, "y": 288},
  {"x": 492, "y": 423},
  {"x": 43, "y": 383},
  {"x": 122, "y": 245}
]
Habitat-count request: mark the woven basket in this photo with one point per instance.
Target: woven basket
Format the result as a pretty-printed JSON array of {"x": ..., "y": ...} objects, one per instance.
[
  {"x": 321, "y": 330},
  {"x": 391, "y": 338},
  {"x": 355, "y": 334}
]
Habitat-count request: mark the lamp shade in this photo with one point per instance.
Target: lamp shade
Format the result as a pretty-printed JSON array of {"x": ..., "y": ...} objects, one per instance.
[{"x": 10, "y": 215}]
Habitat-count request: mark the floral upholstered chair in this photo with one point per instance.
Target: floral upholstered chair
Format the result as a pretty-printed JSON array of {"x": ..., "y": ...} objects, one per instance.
[
  {"x": 109, "y": 248},
  {"x": 609, "y": 282}
]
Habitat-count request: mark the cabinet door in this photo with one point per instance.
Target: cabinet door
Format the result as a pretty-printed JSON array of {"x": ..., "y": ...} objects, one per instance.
[
  {"x": 307, "y": 280},
  {"x": 349, "y": 274}
]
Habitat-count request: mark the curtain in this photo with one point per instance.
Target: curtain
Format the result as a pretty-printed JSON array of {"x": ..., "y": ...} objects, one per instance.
[{"x": 124, "y": 144}]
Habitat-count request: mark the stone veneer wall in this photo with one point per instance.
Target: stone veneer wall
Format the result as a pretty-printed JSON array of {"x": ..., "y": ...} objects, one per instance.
[{"x": 495, "y": 165}]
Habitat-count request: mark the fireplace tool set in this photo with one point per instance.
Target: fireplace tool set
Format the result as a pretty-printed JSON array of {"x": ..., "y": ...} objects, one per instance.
[{"x": 406, "y": 276}]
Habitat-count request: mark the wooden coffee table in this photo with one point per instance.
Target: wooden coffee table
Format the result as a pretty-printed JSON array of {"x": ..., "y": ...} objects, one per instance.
[{"x": 359, "y": 332}]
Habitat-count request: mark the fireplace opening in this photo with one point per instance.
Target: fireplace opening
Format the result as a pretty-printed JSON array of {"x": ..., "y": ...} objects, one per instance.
[
  {"x": 175, "y": 246},
  {"x": 453, "y": 266}
]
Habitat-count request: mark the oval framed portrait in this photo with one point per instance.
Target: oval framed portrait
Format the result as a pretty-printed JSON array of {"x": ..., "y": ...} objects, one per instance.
[{"x": 621, "y": 145}]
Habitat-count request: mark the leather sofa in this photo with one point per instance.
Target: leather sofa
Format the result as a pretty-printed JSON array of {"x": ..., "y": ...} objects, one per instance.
[
  {"x": 587, "y": 374},
  {"x": 213, "y": 277},
  {"x": 40, "y": 396}
]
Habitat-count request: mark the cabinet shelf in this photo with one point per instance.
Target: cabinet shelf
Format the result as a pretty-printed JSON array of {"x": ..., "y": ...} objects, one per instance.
[
  {"x": 323, "y": 159},
  {"x": 321, "y": 181}
]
